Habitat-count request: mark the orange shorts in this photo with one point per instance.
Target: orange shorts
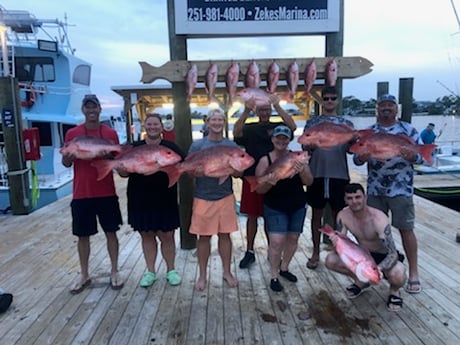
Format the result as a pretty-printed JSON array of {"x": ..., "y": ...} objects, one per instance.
[{"x": 214, "y": 217}]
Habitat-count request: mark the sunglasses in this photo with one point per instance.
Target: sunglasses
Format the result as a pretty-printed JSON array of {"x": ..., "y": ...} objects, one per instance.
[{"x": 329, "y": 98}]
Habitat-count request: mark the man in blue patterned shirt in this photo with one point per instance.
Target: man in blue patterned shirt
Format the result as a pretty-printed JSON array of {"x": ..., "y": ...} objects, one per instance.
[{"x": 390, "y": 183}]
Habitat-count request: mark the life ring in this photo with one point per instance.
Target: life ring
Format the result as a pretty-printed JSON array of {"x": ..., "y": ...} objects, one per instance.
[{"x": 31, "y": 95}]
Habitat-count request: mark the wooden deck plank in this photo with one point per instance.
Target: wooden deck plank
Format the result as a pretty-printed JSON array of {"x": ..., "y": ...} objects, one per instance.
[{"x": 39, "y": 264}]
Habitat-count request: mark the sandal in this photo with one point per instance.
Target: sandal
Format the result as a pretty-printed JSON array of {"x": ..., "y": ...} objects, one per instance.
[
  {"x": 80, "y": 286},
  {"x": 394, "y": 303},
  {"x": 115, "y": 281},
  {"x": 354, "y": 290},
  {"x": 148, "y": 279},
  {"x": 413, "y": 287},
  {"x": 173, "y": 278},
  {"x": 312, "y": 264}
]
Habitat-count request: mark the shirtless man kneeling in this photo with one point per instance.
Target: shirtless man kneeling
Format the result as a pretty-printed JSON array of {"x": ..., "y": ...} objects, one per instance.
[{"x": 372, "y": 230}]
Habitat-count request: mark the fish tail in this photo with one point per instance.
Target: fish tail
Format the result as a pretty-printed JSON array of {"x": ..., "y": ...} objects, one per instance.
[
  {"x": 252, "y": 180},
  {"x": 426, "y": 150},
  {"x": 103, "y": 167}
]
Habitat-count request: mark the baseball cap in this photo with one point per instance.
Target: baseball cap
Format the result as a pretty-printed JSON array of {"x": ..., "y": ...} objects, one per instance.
[
  {"x": 387, "y": 97},
  {"x": 282, "y": 130},
  {"x": 91, "y": 98}
]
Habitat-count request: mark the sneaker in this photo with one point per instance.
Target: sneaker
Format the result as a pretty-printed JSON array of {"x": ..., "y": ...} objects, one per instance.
[
  {"x": 148, "y": 279},
  {"x": 173, "y": 278},
  {"x": 289, "y": 276},
  {"x": 249, "y": 259},
  {"x": 275, "y": 285},
  {"x": 5, "y": 301}
]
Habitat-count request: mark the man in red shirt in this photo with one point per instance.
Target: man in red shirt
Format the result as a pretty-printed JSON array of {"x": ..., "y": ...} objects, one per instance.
[{"x": 93, "y": 199}]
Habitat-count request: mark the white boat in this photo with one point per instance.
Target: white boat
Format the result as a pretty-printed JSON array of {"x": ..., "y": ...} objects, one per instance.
[
  {"x": 446, "y": 159},
  {"x": 52, "y": 82}
]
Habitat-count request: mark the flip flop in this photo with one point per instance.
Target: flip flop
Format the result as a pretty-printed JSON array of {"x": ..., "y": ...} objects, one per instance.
[
  {"x": 115, "y": 282},
  {"x": 354, "y": 290},
  {"x": 79, "y": 287},
  {"x": 413, "y": 287},
  {"x": 312, "y": 264},
  {"x": 394, "y": 303}
]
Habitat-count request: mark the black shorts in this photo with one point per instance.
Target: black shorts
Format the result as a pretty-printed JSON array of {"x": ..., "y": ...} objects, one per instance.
[
  {"x": 378, "y": 258},
  {"x": 86, "y": 212},
  {"x": 336, "y": 197}
]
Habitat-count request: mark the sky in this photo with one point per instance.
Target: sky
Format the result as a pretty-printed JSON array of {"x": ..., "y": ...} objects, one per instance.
[{"x": 417, "y": 39}]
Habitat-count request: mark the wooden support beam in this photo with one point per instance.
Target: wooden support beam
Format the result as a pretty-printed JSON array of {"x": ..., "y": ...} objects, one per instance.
[{"x": 175, "y": 71}]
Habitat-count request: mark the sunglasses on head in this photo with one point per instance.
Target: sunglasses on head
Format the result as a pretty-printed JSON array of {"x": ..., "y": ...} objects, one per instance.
[{"x": 329, "y": 98}]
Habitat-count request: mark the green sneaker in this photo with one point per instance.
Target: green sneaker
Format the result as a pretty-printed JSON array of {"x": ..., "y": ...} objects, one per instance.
[
  {"x": 148, "y": 279},
  {"x": 173, "y": 278}
]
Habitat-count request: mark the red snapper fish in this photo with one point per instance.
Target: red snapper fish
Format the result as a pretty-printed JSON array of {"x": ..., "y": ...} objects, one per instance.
[
  {"x": 144, "y": 159},
  {"x": 191, "y": 79},
  {"x": 231, "y": 80},
  {"x": 292, "y": 79},
  {"x": 88, "y": 147},
  {"x": 273, "y": 75},
  {"x": 356, "y": 258},
  {"x": 282, "y": 168},
  {"x": 328, "y": 134},
  {"x": 210, "y": 80},
  {"x": 217, "y": 161},
  {"x": 331, "y": 72},
  {"x": 383, "y": 146},
  {"x": 310, "y": 74},
  {"x": 252, "y": 76}
]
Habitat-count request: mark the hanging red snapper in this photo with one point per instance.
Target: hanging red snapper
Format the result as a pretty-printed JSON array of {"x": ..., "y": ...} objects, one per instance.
[
  {"x": 357, "y": 259},
  {"x": 273, "y": 75},
  {"x": 190, "y": 80},
  {"x": 331, "y": 72},
  {"x": 231, "y": 81},
  {"x": 292, "y": 79},
  {"x": 210, "y": 80},
  {"x": 252, "y": 76}
]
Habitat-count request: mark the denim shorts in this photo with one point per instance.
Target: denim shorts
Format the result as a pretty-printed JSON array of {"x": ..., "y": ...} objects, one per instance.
[{"x": 282, "y": 222}]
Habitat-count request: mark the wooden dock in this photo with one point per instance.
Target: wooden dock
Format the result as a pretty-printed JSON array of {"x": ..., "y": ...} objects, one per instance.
[{"x": 39, "y": 263}]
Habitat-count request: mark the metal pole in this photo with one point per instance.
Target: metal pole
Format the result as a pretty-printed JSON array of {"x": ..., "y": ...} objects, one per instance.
[{"x": 6, "y": 68}]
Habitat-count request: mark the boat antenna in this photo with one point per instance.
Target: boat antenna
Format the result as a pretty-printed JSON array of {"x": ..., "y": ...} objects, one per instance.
[{"x": 456, "y": 16}]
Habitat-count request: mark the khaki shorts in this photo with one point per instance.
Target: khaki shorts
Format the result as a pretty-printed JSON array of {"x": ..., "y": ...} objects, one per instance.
[
  {"x": 214, "y": 217},
  {"x": 401, "y": 207}
]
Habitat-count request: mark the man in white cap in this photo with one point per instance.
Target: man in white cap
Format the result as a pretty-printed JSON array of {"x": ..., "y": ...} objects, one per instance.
[{"x": 390, "y": 183}]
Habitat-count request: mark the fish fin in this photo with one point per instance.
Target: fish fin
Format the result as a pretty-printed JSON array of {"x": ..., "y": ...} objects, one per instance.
[
  {"x": 359, "y": 274},
  {"x": 426, "y": 150},
  {"x": 327, "y": 229},
  {"x": 223, "y": 179},
  {"x": 103, "y": 167},
  {"x": 173, "y": 174},
  {"x": 253, "y": 182},
  {"x": 362, "y": 133}
]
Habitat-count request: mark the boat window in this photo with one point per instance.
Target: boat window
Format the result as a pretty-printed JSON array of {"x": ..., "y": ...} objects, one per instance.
[
  {"x": 30, "y": 69},
  {"x": 82, "y": 75},
  {"x": 44, "y": 130}
]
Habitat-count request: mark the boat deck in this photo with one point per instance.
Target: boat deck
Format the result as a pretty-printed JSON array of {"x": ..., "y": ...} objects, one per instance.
[{"x": 39, "y": 263}]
